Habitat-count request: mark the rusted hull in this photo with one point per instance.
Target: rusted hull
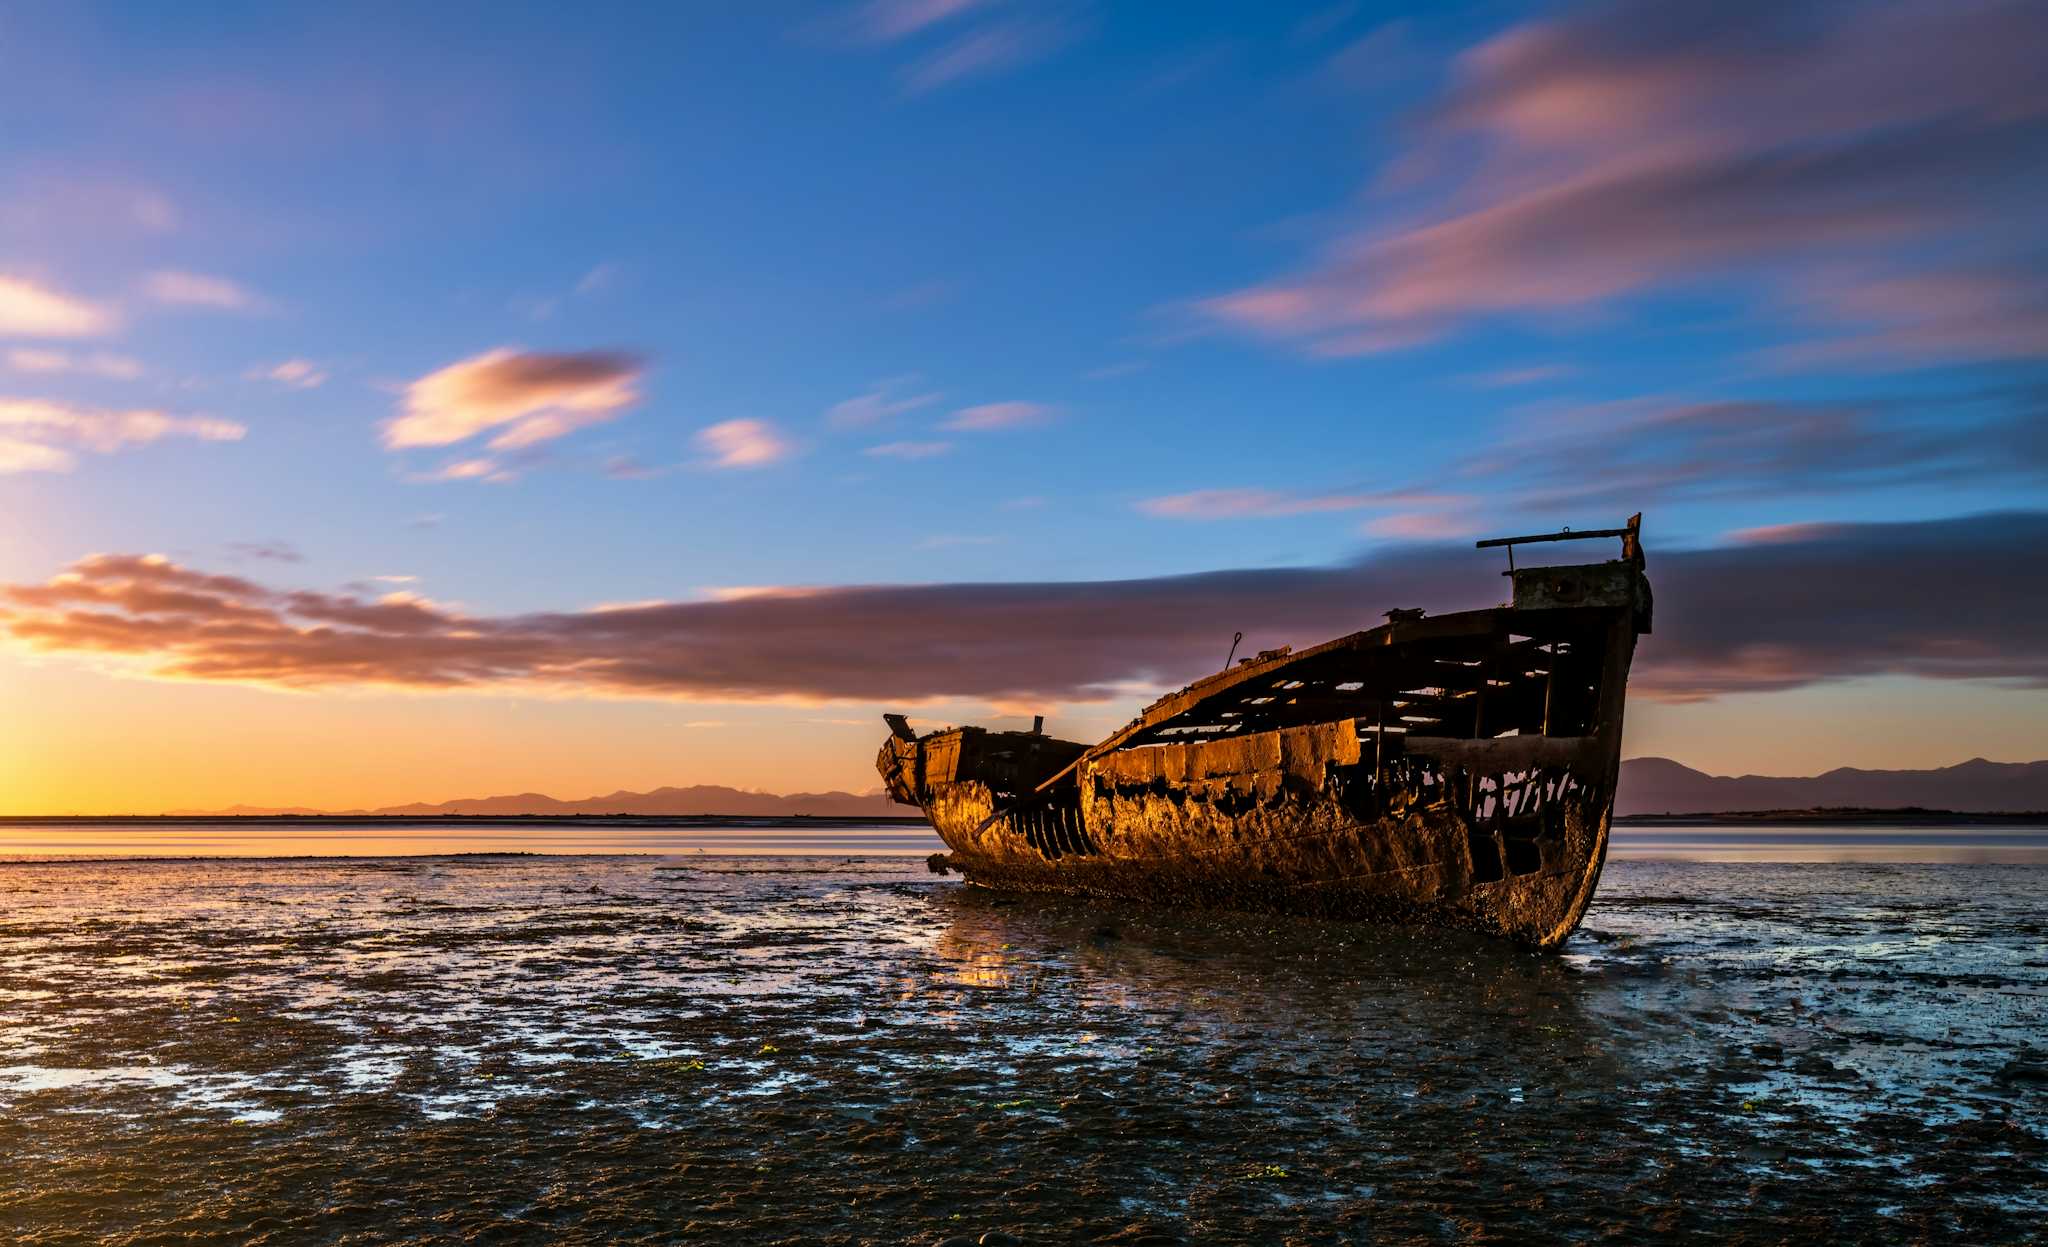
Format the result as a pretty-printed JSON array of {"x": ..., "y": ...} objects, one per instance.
[
  {"x": 1457, "y": 770},
  {"x": 1316, "y": 837}
]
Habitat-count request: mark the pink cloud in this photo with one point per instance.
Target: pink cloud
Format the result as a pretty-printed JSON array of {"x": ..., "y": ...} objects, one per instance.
[
  {"x": 488, "y": 470},
  {"x": 97, "y": 363},
  {"x": 1633, "y": 146},
  {"x": 40, "y": 435},
  {"x": 530, "y": 396},
  {"x": 1421, "y": 526},
  {"x": 1902, "y": 319},
  {"x": 743, "y": 444},
  {"x": 31, "y": 310},
  {"x": 875, "y": 407},
  {"x": 909, "y": 450},
  {"x": 988, "y": 416},
  {"x": 199, "y": 290},
  {"x": 1969, "y": 617},
  {"x": 297, "y": 374},
  {"x": 1227, "y": 504}
]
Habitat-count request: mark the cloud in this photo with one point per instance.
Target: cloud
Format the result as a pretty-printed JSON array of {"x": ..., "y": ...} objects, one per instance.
[
  {"x": 1230, "y": 504},
  {"x": 1823, "y": 604},
  {"x": 200, "y": 290},
  {"x": 990, "y": 49},
  {"x": 486, "y": 469},
  {"x": 1901, "y": 320},
  {"x": 41, "y": 435},
  {"x": 529, "y": 396},
  {"x": 1635, "y": 453},
  {"x": 990, "y": 416},
  {"x": 298, "y": 374},
  {"x": 601, "y": 277},
  {"x": 97, "y": 364},
  {"x": 1421, "y": 526},
  {"x": 1555, "y": 460},
  {"x": 885, "y": 21},
  {"x": 1531, "y": 375},
  {"x": 743, "y": 444},
  {"x": 269, "y": 551},
  {"x": 1634, "y": 146},
  {"x": 874, "y": 407},
  {"x": 908, "y": 450},
  {"x": 22, "y": 456},
  {"x": 629, "y": 468},
  {"x": 30, "y": 310}
]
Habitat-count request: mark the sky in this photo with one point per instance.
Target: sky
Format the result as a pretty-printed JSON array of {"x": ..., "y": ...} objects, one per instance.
[{"x": 410, "y": 402}]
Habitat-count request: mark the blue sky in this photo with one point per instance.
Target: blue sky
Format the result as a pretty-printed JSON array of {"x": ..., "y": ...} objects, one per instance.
[{"x": 1215, "y": 286}]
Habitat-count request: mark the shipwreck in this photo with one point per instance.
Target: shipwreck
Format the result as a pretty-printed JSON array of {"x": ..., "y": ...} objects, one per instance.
[{"x": 1452, "y": 769}]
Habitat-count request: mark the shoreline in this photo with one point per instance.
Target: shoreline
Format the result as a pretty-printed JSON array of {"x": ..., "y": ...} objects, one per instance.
[{"x": 1904, "y": 816}]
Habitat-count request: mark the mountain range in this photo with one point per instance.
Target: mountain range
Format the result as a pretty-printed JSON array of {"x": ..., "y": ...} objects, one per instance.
[
  {"x": 1661, "y": 786},
  {"x": 1648, "y": 786},
  {"x": 696, "y": 799}
]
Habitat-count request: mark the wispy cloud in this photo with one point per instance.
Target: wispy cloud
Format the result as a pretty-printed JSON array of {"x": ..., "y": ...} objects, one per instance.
[
  {"x": 490, "y": 471},
  {"x": 96, "y": 363},
  {"x": 988, "y": 416},
  {"x": 1530, "y": 374},
  {"x": 266, "y": 551},
  {"x": 908, "y": 450},
  {"x": 1556, "y": 459},
  {"x": 528, "y": 396},
  {"x": 29, "y": 309},
  {"x": 1422, "y": 525},
  {"x": 182, "y": 289},
  {"x": 629, "y": 468},
  {"x": 743, "y": 444},
  {"x": 1645, "y": 451},
  {"x": 1633, "y": 146},
  {"x": 1968, "y": 617},
  {"x": 601, "y": 277},
  {"x": 41, "y": 435},
  {"x": 990, "y": 49},
  {"x": 1231, "y": 504},
  {"x": 877, "y": 405},
  {"x": 298, "y": 374},
  {"x": 885, "y": 21}
]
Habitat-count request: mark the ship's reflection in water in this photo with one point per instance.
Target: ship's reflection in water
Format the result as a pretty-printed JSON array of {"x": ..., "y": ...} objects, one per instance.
[{"x": 588, "y": 1049}]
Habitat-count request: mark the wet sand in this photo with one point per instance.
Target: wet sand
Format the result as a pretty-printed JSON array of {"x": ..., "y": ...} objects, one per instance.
[{"x": 586, "y": 1050}]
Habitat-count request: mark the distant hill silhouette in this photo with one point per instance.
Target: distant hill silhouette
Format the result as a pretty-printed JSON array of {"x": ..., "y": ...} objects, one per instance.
[
  {"x": 697, "y": 799},
  {"x": 1661, "y": 786},
  {"x": 1648, "y": 786}
]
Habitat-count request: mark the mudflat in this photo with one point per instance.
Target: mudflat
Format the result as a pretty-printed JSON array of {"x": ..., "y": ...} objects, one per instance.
[{"x": 812, "y": 1050}]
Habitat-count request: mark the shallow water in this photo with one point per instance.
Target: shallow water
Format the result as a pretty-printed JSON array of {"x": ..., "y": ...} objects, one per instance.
[
  {"x": 35, "y": 838},
  {"x": 580, "y": 1049}
]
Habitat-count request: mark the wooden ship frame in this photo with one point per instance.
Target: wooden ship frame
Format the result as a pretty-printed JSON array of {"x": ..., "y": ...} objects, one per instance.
[{"x": 1455, "y": 769}]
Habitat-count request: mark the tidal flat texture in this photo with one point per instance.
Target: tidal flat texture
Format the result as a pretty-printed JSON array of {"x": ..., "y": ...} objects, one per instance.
[{"x": 598, "y": 1050}]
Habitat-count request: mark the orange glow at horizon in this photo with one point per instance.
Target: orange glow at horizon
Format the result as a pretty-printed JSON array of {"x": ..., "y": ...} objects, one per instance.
[{"x": 79, "y": 741}]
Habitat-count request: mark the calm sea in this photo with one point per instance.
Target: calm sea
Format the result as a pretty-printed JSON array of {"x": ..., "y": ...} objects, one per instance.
[{"x": 175, "y": 838}]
